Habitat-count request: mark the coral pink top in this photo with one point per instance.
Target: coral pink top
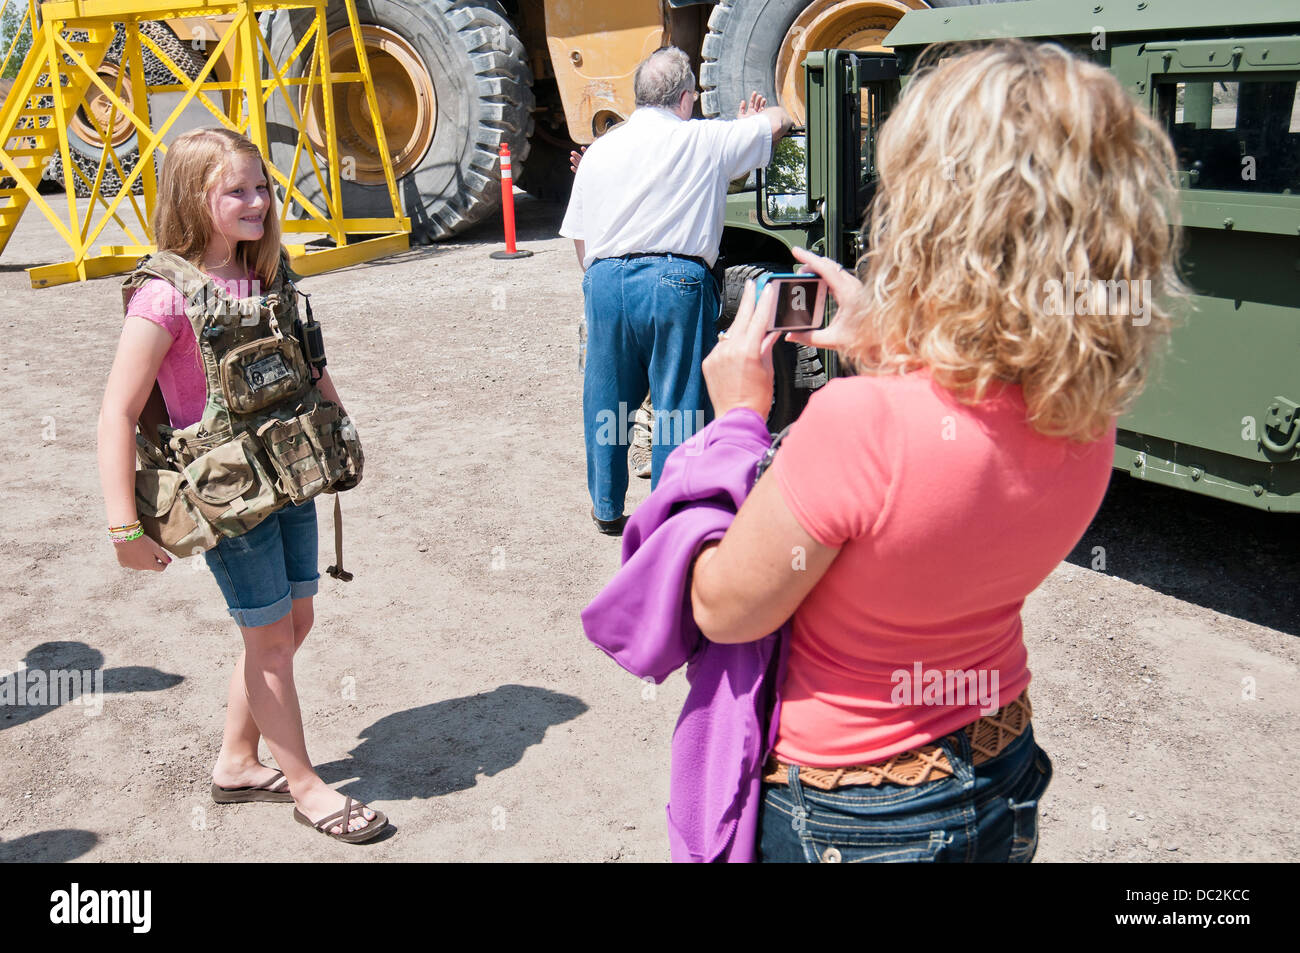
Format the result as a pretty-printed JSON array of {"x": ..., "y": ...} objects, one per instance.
[
  {"x": 946, "y": 517},
  {"x": 180, "y": 378}
]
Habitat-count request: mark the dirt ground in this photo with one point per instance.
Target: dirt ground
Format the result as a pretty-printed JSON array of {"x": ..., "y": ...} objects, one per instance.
[{"x": 450, "y": 684}]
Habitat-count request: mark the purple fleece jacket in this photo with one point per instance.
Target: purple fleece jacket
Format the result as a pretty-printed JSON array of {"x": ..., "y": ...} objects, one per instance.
[{"x": 642, "y": 619}]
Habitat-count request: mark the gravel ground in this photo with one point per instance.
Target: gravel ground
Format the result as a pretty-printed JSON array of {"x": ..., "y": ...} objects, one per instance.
[{"x": 450, "y": 684}]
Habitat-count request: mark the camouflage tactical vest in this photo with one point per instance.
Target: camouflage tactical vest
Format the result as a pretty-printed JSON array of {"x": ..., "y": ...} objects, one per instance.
[{"x": 267, "y": 436}]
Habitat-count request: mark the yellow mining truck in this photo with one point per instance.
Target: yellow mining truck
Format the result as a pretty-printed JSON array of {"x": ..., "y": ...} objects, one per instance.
[{"x": 456, "y": 78}]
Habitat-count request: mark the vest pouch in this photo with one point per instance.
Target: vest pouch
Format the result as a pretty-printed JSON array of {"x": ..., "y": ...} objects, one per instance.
[
  {"x": 149, "y": 454},
  {"x": 229, "y": 487},
  {"x": 189, "y": 444},
  {"x": 264, "y": 372},
  {"x": 303, "y": 451},
  {"x": 353, "y": 459},
  {"x": 168, "y": 515}
]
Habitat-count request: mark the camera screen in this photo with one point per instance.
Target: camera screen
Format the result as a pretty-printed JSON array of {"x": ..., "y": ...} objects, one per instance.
[{"x": 796, "y": 303}]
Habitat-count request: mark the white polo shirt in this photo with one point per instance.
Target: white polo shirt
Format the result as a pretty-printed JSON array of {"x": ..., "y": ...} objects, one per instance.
[{"x": 658, "y": 183}]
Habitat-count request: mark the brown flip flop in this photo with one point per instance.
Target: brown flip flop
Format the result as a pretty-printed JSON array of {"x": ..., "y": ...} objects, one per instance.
[
  {"x": 351, "y": 810},
  {"x": 277, "y": 790}
]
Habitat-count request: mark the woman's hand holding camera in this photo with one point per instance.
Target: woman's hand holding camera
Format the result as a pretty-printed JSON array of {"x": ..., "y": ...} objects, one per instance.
[
  {"x": 843, "y": 286},
  {"x": 738, "y": 371}
]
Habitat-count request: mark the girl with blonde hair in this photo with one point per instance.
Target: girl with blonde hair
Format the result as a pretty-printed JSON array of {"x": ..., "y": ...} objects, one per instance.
[
  {"x": 216, "y": 209},
  {"x": 913, "y": 507}
]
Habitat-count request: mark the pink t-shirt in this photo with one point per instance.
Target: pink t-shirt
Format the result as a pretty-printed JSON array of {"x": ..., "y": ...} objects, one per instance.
[
  {"x": 946, "y": 517},
  {"x": 180, "y": 378}
]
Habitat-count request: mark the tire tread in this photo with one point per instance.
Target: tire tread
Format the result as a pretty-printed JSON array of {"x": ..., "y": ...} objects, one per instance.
[{"x": 500, "y": 93}]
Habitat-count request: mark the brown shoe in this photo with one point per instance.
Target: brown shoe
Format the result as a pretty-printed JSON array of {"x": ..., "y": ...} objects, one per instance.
[{"x": 609, "y": 527}]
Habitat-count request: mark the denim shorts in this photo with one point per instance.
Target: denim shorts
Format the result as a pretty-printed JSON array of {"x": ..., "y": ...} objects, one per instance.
[
  {"x": 985, "y": 814},
  {"x": 263, "y": 571}
]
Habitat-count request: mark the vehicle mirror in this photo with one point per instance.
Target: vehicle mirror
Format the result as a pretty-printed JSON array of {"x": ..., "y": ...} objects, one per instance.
[{"x": 783, "y": 190}]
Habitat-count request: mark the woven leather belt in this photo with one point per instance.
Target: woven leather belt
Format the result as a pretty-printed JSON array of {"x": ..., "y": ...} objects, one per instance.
[{"x": 988, "y": 737}]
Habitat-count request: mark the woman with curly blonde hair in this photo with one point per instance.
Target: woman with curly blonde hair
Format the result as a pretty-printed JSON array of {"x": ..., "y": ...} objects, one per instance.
[{"x": 1021, "y": 268}]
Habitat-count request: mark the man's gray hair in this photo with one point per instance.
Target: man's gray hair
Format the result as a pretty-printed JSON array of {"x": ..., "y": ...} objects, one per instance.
[{"x": 662, "y": 77}]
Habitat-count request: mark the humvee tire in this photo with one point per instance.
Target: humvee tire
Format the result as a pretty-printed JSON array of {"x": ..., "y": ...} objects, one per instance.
[{"x": 796, "y": 368}]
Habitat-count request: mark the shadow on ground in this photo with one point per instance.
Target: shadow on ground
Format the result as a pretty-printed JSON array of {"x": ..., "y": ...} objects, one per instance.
[
  {"x": 535, "y": 221},
  {"x": 1222, "y": 556},
  {"x": 47, "y": 847},
  {"x": 443, "y": 747},
  {"x": 63, "y": 673}
]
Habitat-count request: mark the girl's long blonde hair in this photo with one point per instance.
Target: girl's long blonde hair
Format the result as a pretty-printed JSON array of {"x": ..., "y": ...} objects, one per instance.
[
  {"x": 182, "y": 221},
  {"x": 1003, "y": 170}
]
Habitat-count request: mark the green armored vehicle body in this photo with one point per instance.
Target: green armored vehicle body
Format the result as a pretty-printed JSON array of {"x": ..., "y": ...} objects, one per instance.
[{"x": 1222, "y": 414}]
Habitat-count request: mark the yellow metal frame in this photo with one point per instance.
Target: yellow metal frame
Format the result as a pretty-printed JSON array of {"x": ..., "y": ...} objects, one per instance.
[{"x": 74, "y": 63}]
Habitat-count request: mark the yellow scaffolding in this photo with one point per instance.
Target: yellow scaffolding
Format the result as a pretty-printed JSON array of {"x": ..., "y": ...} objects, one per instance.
[{"x": 60, "y": 67}]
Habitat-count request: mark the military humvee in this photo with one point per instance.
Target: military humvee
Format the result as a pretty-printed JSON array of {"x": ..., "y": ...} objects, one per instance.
[{"x": 1222, "y": 416}]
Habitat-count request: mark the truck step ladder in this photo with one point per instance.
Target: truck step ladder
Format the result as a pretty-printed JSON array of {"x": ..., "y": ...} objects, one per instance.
[
  {"x": 70, "y": 42},
  {"x": 30, "y": 127}
]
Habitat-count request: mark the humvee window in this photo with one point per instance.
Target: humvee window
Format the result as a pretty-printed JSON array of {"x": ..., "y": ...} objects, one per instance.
[
  {"x": 873, "y": 108},
  {"x": 1235, "y": 135},
  {"x": 786, "y": 180}
]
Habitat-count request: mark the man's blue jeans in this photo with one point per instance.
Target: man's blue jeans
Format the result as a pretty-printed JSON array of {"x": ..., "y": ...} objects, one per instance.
[
  {"x": 985, "y": 813},
  {"x": 651, "y": 321}
]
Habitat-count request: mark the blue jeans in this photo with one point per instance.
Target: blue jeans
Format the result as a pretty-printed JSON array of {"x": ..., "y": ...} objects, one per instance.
[
  {"x": 987, "y": 813},
  {"x": 263, "y": 571},
  {"x": 650, "y": 324}
]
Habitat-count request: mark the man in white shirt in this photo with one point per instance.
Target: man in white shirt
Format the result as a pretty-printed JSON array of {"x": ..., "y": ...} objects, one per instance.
[{"x": 646, "y": 217}]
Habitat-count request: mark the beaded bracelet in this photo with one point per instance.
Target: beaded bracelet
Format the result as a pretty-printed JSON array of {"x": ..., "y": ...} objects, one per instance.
[{"x": 124, "y": 534}]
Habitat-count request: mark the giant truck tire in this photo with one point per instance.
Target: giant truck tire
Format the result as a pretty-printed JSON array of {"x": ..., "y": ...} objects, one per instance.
[
  {"x": 759, "y": 44},
  {"x": 85, "y": 144},
  {"x": 452, "y": 83},
  {"x": 796, "y": 368}
]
